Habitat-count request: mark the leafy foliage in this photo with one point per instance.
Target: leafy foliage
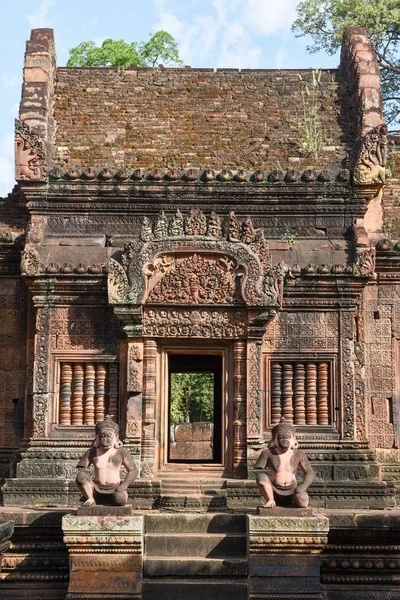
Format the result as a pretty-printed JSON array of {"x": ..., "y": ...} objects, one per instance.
[
  {"x": 325, "y": 20},
  {"x": 161, "y": 47},
  {"x": 192, "y": 397}
]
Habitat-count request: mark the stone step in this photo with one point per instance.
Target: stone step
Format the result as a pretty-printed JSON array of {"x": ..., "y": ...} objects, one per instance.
[
  {"x": 194, "y": 589},
  {"x": 210, "y": 545},
  {"x": 194, "y": 503},
  {"x": 195, "y": 523},
  {"x": 195, "y": 567}
]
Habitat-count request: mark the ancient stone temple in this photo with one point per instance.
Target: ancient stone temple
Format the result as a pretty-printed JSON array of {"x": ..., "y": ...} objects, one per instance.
[{"x": 237, "y": 224}]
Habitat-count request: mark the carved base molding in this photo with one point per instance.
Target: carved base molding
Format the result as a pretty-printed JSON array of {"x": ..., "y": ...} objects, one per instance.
[
  {"x": 106, "y": 556},
  {"x": 283, "y": 556}
]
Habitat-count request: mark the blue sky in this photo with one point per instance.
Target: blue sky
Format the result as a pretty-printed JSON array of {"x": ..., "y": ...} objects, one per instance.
[{"x": 210, "y": 33}]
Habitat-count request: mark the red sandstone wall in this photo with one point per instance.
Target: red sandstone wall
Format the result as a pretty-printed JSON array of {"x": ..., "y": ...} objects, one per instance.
[
  {"x": 391, "y": 195},
  {"x": 184, "y": 117}
]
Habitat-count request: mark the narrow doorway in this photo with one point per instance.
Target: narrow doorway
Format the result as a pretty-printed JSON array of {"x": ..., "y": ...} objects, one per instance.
[{"x": 195, "y": 408}]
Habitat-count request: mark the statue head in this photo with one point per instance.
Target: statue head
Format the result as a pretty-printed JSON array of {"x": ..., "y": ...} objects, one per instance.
[
  {"x": 284, "y": 435},
  {"x": 107, "y": 434}
]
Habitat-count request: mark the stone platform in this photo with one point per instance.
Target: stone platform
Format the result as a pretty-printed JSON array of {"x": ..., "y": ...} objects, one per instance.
[{"x": 188, "y": 555}]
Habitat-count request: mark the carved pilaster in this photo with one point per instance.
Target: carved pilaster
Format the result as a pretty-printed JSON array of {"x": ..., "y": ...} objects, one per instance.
[
  {"x": 347, "y": 366},
  {"x": 239, "y": 409},
  {"x": 134, "y": 387},
  {"x": 148, "y": 409},
  {"x": 253, "y": 388},
  {"x": 41, "y": 372}
]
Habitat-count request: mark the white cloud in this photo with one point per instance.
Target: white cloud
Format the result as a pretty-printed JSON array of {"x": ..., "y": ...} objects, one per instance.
[
  {"x": 40, "y": 17},
  {"x": 219, "y": 34},
  {"x": 269, "y": 16},
  {"x": 7, "y": 181}
]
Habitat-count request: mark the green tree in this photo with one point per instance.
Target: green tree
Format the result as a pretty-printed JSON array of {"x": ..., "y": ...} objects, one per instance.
[
  {"x": 192, "y": 397},
  {"x": 325, "y": 20},
  {"x": 161, "y": 47}
]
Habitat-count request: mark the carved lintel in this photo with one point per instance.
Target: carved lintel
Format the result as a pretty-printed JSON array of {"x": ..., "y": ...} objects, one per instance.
[{"x": 30, "y": 156}]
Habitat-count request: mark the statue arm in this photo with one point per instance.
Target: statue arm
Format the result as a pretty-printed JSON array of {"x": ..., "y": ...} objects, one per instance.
[
  {"x": 85, "y": 461},
  {"x": 263, "y": 459},
  {"x": 132, "y": 471},
  {"x": 309, "y": 474}
]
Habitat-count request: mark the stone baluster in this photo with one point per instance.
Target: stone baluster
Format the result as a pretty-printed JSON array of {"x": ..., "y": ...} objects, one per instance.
[
  {"x": 239, "y": 408},
  {"x": 276, "y": 392},
  {"x": 287, "y": 381},
  {"x": 323, "y": 406},
  {"x": 100, "y": 391},
  {"x": 77, "y": 395},
  {"x": 89, "y": 393},
  {"x": 299, "y": 395},
  {"x": 311, "y": 393},
  {"x": 65, "y": 394},
  {"x": 113, "y": 391}
]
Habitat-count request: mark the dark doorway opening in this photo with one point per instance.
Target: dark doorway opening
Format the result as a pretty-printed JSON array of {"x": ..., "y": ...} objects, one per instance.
[{"x": 195, "y": 408}]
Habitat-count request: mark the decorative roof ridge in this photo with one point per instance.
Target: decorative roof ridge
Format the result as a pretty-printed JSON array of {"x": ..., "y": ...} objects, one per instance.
[{"x": 224, "y": 175}]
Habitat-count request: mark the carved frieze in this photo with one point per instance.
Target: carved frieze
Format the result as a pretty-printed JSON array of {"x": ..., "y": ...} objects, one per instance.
[
  {"x": 30, "y": 157},
  {"x": 30, "y": 261},
  {"x": 202, "y": 323}
]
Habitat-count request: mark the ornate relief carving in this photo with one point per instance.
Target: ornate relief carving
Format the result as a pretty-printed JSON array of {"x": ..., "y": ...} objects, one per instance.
[
  {"x": 303, "y": 331},
  {"x": 135, "y": 371},
  {"x": 196, "y": 223},
  {"x": 117, "y": 283},
  {"x": 30, "y": 158},
  {"x": 82, "y": 328},
  {"x": 364, "y": 264},
  {"x": 262, "y": 284},
  {"x": 30, "y": 262},
  {"x": 254, "y": 388},
  {"x": 347, "y": 362},
  {"x": 205, "y": 323},
  {"x": 195, "y": 280},
  {"x": 371, "y": 157}
]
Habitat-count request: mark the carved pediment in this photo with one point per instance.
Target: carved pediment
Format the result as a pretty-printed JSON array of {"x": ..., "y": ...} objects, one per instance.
[
  {"x": 196, "y": 260},
  {"x": 193, "y": 279}
]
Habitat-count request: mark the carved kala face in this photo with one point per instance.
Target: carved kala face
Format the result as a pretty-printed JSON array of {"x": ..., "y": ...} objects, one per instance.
[
  {"x": 284, "y": 440},
  {"x": 107, "y": 438}
]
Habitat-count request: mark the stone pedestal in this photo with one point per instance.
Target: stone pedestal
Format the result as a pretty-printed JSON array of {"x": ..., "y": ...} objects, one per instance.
[
  {"x": 283, "y": 555},
  {"x": 6, "y": 531},
  {"x": 106, "y": 556}
]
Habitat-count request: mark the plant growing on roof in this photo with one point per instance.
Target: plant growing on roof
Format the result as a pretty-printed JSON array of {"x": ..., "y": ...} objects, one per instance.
[{"x": 313, "y": 136}]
